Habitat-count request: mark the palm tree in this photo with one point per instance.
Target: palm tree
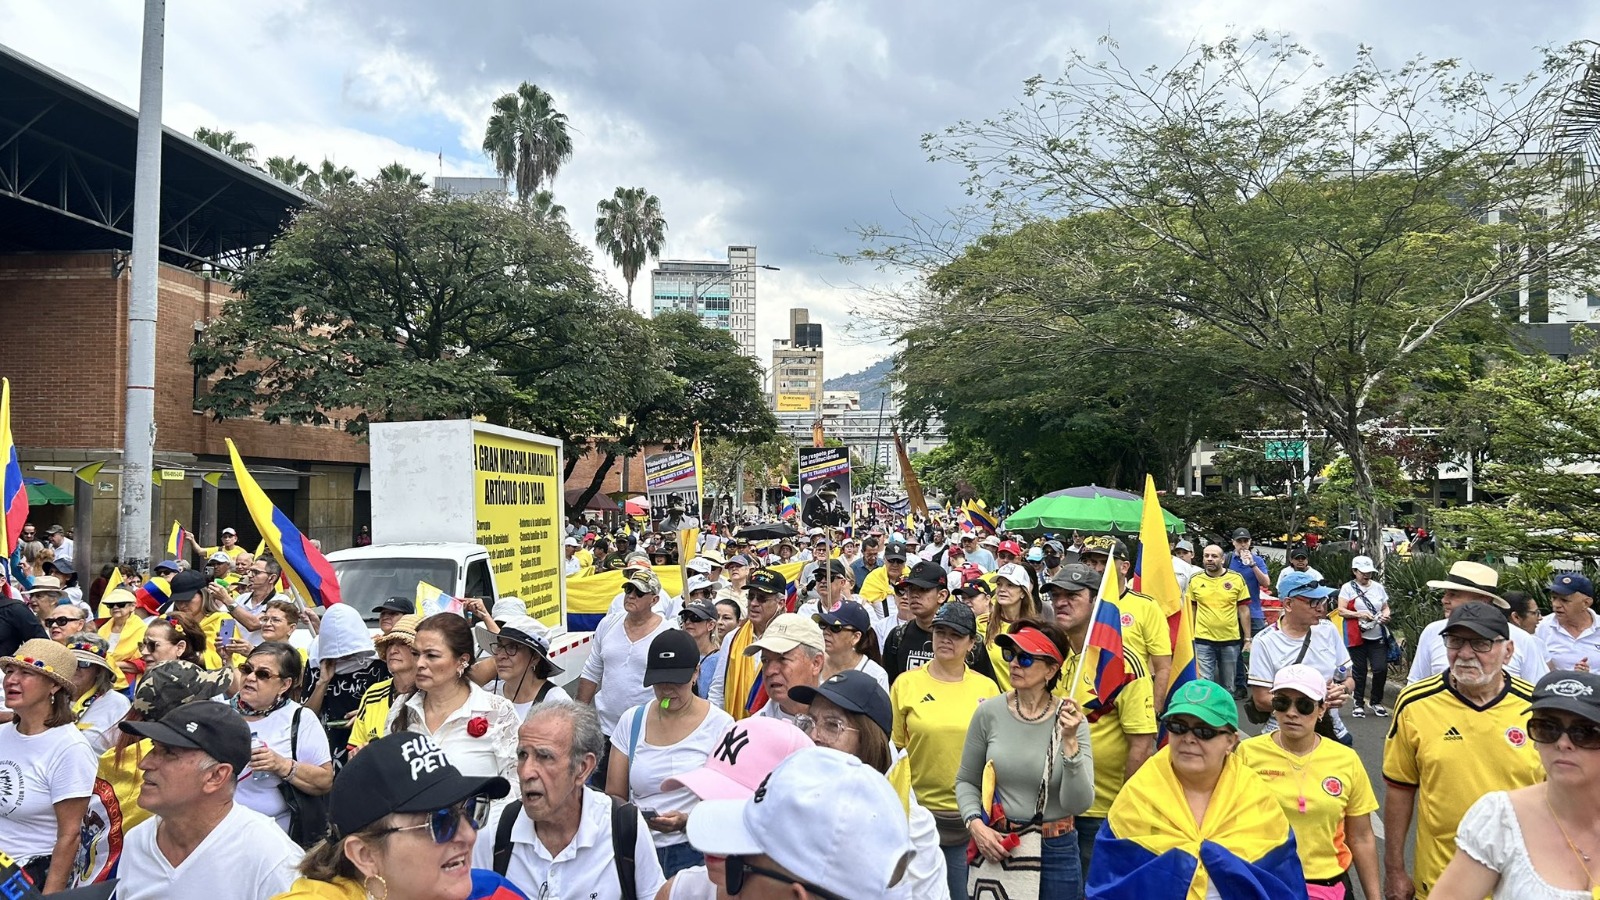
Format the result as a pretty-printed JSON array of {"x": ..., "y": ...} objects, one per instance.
[
  {"x": 527, "y": 138},
  {"x": 630, "y": 230},
  {"x": 327, "y": 177},
  {"x": 288, "y": 170},
  {"x": 228, "y": 144},
  {"x": 397, "y": 173},
  {"x": 545, "y": 210}
]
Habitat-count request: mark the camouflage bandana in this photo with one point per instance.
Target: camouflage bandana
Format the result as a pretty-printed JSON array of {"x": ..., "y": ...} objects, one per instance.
[{"x": 171, "y": 684}]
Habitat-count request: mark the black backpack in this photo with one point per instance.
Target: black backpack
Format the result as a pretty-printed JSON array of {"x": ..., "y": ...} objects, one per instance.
[{"x": 624, "y": 837}]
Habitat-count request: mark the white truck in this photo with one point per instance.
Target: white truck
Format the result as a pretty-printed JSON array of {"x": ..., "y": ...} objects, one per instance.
[{"x": 474, "y": 510}]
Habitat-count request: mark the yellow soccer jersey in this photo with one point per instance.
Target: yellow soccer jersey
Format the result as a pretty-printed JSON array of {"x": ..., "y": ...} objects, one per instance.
[
  {"x": 1216, "y": 602},
  {"x": 930, "y": 723},
  {"x": 1317, "y": 792}
]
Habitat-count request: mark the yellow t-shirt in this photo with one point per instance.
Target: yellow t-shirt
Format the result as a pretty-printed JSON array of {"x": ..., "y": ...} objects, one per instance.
[
  {"x": 1453, "y": 753},
  {"x": 1216, "y": 602},
  {"x": 1144, "y": 627},
  {"x": 232, "y": 552},
  {"x": 930, "y": 723},
  {"x": 1333, "y": 785},
  {"x": 366, "y": 725},
  {"x": 1134, "y": 713}
]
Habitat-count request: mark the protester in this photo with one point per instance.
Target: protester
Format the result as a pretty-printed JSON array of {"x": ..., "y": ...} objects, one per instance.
[
  {"x": 851, "y": 643},
  {"x": 1221, "y": 605},
  {"x": 287, "y": 745},
  {"x": 398, "y": 649},
  {"x": 1322, "y": 787},
  {"x": 562, "y": 839},
  {"x": 123, "y": 632},
  {"x": 910, "y": 644},
  {"x": 735, "y": 686},
  {"x": 49, "y": 767},
  {"x": 203, "y": 842},
  {"x": 518, "y": 666},
  {"x": 348, "y": 665},
  {"x": 392, "y": 610},
  {"x": 880, "y": 583},
  {"x": 1183, "y": 564},
  {"x": 932, "y": 708},
  {"x": 729, "y": 614},
  {"x": 671, "y": 735},
  {"x": 1302, "y": 634},
  {"x": 791, "y": 652},
  {"x": 477, "y": 729},
  {"x": 1023, "y": 733},
  {"x": 613, "y": 675},
  {"x": 1253, "y": 569},
  {"x": 855, "y": 843},
  {"x": 1525, "y": 612},
  {"x": 1467, "y": 582},
  {"x": 66, "y": 622},
  {"x": 173, "y": 637},
  {"x": 96, "y": 707},
  {"x": 43, "y": 597},
  {"x": 1191, "y": 821},
  {"x": 1454, "y": 737},
  {"x": 1364, "y": 604},
  {"x": 849, "y": 712},
  {"x": 699, "y": 620},
  {"x": 403, "y": 822},
  {"x": 18, "y": 622},
  {"x": 1145, "y": 630},
  {"x": 1519, "y": 845},
  {"x": 1014, "y": 600},
  {"x": 864, "y": 565},
  {"x": 198, "y": 598},
  {"x": 1571, "y": 636},
  {"x": 1299, "y": 561}
]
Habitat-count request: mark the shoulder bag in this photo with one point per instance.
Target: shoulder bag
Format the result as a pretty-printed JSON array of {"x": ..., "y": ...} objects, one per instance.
[
  {"x": 308, "y": 814},
  {"x": 1262, "y": 717},
  {"x": 624, "y": 839},
  {"x": 1019, "y": 875}
]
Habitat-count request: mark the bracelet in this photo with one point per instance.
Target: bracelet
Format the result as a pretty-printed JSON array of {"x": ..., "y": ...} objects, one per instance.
[{"x": 293, "y": 763}]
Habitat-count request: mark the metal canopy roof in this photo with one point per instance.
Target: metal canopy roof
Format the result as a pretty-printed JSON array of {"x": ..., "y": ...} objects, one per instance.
[{"x": 66, "y": 178}]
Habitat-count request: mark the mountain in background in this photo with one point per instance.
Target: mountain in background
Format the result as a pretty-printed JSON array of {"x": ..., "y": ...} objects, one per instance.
[{"x": 872, "y": 383}]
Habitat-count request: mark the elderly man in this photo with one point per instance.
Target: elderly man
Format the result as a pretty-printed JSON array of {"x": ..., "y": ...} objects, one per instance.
[
  {"x": 1124, "y": 735},
  {"x": 1455, "y": 736},
  {"x": 1572, "y": 634},
  {"x": 563, "y": 839},
  {"x": 190, "y": 774},
  {"x": 613, "y": 675},
  {"x": 59, "y": 542},
  {"x": 1144, "y": 625},
  {"x": 791, "y": 652},
  {"x": 1467, "y": 582},
  {"x": 736, "y": 684}
]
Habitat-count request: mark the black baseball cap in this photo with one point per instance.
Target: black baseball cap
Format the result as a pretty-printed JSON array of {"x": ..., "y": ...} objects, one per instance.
[
  {"x": 1074, "y": 577},
  {"x": 674, "y": 659},
  {"x": 852, "y": 691},
  {"x": 186, "y": 584},
  {"x": 1299, "y": 553},
  {"x": 768, "y": 581},
  {"x": 403, "y": 772},
  {"x": 1574, "y": 692},
  {"x": 957, "y": 617},
  {"x": 836, "y": 569},
  {"x": 925, "y": 574},
  {"x": 201, "y": 725},
  {"x": 397, "y": 604},
  {"x": 1105, "y": 546},
  {"x": 1241, "y": 534},
  {"x": 974, "y": 588},
  {"x": 896, "y": 551},
  {"x": 849, "y": 614},
  {"x": 1480, "y": 619},
  {"x": 704, "y": 610}
]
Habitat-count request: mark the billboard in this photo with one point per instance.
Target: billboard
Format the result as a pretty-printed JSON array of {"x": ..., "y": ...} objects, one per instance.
[
  {"x": 825, "y": 487},
  {"x": 517, "y": 486},
  {"x": 794, "y": 403},
  {"x": 670, "y": 480}
]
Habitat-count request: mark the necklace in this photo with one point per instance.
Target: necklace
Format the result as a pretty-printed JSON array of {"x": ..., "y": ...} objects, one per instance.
[
  {"x": 1016, "y": 705},
  {"x": 243, "y": 708},
  {"x": 1583, "y": 858}
]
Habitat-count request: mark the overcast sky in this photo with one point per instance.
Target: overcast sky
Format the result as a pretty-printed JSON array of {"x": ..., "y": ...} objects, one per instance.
[{"x": 780, "y": 124}]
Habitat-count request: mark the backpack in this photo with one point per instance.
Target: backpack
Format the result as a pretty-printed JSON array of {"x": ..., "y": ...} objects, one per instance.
[{"x": 624, "y": 838}]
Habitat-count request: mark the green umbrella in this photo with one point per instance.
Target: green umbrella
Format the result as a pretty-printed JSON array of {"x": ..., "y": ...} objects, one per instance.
[
  {"x": 43, "y": 493},
  {"x": 1087, "y": 508}
]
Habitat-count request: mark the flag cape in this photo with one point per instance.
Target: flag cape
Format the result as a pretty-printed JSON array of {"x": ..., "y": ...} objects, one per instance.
[
  {"x": 308, "y": 570},
  {"x": 1151, "y": 848},
  {"x": 179, "y": 538},
  {"x": 1154, "y": 577},
  {"x": 431, "y": 601},
  {"x": 489, "y": 885},
  {"x": 15, "y": 495}
]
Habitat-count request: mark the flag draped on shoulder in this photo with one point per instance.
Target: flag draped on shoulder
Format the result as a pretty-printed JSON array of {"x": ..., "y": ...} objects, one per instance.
[
  {"x": 1154, "y": 577},
  {"x": 1151, "y": 848},
  {"x": 307, "y": 569},
  {"x": 16, "y": 492}
]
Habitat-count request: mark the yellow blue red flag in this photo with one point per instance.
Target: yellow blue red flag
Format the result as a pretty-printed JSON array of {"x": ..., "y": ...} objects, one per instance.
[
  {"x": 1154, "y": 577},
  {"x": 307, "y": 568}
]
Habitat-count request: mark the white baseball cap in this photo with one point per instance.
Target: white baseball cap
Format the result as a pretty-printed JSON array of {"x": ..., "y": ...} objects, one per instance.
[
  {"x": 696, "y": 583},
  {"x": 699, "y": 565},
  {"x": 786, "y": 632},
  {"x": 1363, "y": 564},
  {"x": 826, "y": 817},
  {"x": 1017, "y": 575},
  {"x": 570, "y": 542},
  {"x": 1184, "y": 547}
]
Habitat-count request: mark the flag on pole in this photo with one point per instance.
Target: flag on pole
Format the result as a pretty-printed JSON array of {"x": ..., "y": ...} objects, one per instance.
[
  {"x": 1103, "y": 649},
  {"x": 178, "y": 540},
  {"x": 15, "y": 497},
  {"x": 308, "y": 570},
  {"x": 1153, "y": 576},
  {"x": 431, "y": 601},
  {"x": 979, "y": 517}
]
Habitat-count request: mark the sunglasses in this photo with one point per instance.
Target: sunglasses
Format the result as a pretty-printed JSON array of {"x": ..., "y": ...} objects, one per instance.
[
  {"x": 1584, "y": 735},
  {"x": 1305, "y": 706},
  {"x": 739, "y": 869},
  {"x": 150, "y": 646},
  {"x": 123, "y": 605},
  {"x": 1203, "y": 732},
  {"x": 61, "y": 621},
  {"x": 443, "y": 824},
  {"x": 838, "y": 628},
  {"x": 1025, "y": 660},
  {"x": 246, "y": 670}
]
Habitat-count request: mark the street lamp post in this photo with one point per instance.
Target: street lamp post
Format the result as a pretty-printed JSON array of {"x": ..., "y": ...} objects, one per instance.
[{"x": 694, "y": 299}]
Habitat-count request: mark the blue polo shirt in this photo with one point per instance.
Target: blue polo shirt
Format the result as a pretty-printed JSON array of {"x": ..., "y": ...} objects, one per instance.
[{"x": 1245, "y": 571}]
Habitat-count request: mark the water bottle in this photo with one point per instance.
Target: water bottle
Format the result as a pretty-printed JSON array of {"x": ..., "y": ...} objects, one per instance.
[
  {"x": 257, "y": 774},
  {"x": 1341, "y": 673}
]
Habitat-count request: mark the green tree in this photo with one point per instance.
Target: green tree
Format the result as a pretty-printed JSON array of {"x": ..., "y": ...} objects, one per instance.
[
  {"x": 227, "y": 143},
  {"x": 288, "y": 170},
  {"x": 398, "y": 173},
  {"x": 762, "y": 463},
  {"x": 1313, "y": 238},
  {"x": 630, "y": 230},
  {"x": 327, "y": 178},
  {"x": 527, "y": 138},
  {"x": 388, "y": 303}
]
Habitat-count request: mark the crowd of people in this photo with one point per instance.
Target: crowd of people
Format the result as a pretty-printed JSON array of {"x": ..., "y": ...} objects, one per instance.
[{"x": 903, "y": 714}]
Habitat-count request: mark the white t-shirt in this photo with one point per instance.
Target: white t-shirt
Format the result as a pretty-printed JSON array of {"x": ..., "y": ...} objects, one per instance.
[
  {"x": 246, "y": 857},
  {"x": 585, "y": 868},
  {"x": 666, "y": 606},
  {"x": 498, "y": 688},
  {"x": 652, "y": 764},
  {"x": 1491, "y": 835},
  {"x": 1528, "y": 660},
  {"x": 876, "y": 671},
  {"x": 1563, "y": 649},
  {"x": 37, "y": 772},
  {"x": 99, "y": 722},
  {"x": 694, "y": 883},
  {"x": 261, "y": 794},
  {"x": 617, "y": 666},
  {"x": 1373, "y": 599},
  {"x": 1272, "y": 650}
]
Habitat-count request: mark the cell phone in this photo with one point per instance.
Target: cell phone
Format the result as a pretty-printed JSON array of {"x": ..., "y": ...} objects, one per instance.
[
  {"x": 225, "y": 634},
  {"x": 649, "y": 814}
]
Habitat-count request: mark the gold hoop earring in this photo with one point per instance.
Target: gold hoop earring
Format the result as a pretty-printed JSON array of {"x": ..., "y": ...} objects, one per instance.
[{"x": 385, "y": 885}]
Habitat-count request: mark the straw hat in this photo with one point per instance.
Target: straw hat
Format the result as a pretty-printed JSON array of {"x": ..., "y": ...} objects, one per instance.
[
  {"x": 1474, "y": 578},
  {"x": 47, "y": 657},
  {"x": 92, "y": 649},
  {"x": 404, "y": 631}
]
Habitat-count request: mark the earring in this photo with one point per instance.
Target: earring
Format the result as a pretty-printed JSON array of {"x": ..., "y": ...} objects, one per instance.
[{"x": 385, "y": 884}]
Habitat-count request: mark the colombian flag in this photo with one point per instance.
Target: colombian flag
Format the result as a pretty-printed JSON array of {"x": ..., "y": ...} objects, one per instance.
[
  {"x": 1153, "y": 577},
  {"x": 1151, "y": 848},
  {"x": 1104, "y": 647},
  {"x": 177, "y": 541},
  {"x": 153, "y": 594},
  {"x": 431, "y": 600},
  {"x": 982, "y": 518},
  {"x": 15, "y": 496},
  {"x": 489, "y": 885},
  {"x": 307, "y": 568}
]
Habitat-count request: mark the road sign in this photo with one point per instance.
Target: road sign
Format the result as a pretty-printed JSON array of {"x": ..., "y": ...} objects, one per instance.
[{"x": 1285, "y": 451}]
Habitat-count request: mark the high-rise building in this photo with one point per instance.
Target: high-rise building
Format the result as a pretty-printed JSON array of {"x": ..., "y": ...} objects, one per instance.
[
  {"x": 797, "y": 365},
  {"x": 722, "y": 294}
]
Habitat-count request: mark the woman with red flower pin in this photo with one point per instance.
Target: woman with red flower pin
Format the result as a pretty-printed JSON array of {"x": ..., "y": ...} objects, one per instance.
[{"x": 476, "y": 729}]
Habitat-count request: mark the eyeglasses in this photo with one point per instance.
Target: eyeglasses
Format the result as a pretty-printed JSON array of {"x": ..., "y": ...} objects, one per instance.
[
  {"x": 150, "y": 646},
  {"x": 828, "y": 727},
  {"x": 1478, "y": 645},
  {"x": 738, "y": 869},
  {"x": 61, "y": 621},
  {"x": 442, "y": 824},
  {"x": 246, "y": 670},
  {"x": 1203, "y": 732},
  {"x": 1305, "y": 706},
  {"x": 1025, "y": 660},
  {"x": 1584, "y": 735},
  {"x": 838, "y": 628},
  {"x": 504, "y": 648}
]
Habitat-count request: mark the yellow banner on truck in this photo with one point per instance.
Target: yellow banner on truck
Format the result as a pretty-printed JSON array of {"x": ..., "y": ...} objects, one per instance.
[{"x": 517, "y": 483}]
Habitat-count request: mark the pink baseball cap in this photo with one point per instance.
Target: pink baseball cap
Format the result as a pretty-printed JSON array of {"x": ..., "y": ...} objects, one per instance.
[
  {"x": 1303, "y": 678},
  {"x": 746, "y": 755}
]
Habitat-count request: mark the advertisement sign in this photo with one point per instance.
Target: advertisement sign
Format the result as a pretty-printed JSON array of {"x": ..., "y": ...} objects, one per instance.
[
  {"x": 518, "y": 510},
  {"x": 794, "y": 403},
  {"x": 670, "y": 481},
  {"x": 825, "y": 487}
]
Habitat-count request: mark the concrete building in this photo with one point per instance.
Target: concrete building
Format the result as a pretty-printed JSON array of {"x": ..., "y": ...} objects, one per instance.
[
  {"x": 797, "y": 365},
  {"x": 722, "y": 294}
]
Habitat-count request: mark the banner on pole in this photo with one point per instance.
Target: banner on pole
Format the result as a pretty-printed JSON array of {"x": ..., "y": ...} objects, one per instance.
[
  {"x": 672, "y": 481},
  {"x": 825, "y": 487}
]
